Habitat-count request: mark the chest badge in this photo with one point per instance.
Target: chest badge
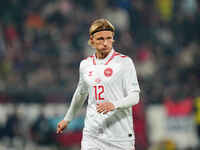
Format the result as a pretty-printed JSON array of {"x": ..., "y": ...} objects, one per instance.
[{"x": 108, "y": 72}]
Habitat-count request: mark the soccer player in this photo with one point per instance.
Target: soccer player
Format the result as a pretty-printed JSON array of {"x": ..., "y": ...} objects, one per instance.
[{"x": 109, "y": 80}]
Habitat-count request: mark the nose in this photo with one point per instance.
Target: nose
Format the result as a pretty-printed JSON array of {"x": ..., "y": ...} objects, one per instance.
[{"x": 105, "y": 42}]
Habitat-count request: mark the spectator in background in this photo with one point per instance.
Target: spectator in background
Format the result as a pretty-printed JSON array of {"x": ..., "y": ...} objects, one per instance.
[
  {"x": 41, "y": 131},
  {"x": 118, "y": 16},
  {"x": 12, "y": 126},
  {"x": 2, "y": 132},
  {"x": 140, "y": 126},
  {"x": 146, "y": 65}
]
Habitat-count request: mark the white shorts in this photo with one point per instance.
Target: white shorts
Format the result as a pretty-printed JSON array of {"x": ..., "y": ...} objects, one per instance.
[{"x": 91, "y": 143}]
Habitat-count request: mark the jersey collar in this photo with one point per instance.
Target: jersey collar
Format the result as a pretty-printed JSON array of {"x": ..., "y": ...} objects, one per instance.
[{"x": 106, "y": 60}]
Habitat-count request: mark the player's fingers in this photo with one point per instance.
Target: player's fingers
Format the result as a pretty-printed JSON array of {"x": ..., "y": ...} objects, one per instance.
[
  {"x": 58, "y": 126},
  {"x": 108, "y": 109},
  {"x": 98, "y": 106},
  {"x": 104, "y": 106},
  {"x": 58, "y": 130},
  {"x": 100, "y": 109},
  {"x": 111, "y": 108},
  {"x": 105, "y": 111}
]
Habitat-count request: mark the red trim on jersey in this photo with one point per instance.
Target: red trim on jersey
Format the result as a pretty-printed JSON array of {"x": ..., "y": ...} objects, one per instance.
[
  {"x": 88, "y": 57},
  {"x": 92, "y": 57},
  {"x": 114, "y": 54},
  {"x": 123, "y": 56},
  {"x": 94, "y": 62}
]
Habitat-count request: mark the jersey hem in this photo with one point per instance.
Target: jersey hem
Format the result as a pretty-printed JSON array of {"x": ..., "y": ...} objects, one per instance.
[{"x": 100, "y": 136}]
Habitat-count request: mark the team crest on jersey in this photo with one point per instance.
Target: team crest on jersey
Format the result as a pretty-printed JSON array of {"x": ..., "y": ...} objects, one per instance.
[{"x": 108, "y": 72}]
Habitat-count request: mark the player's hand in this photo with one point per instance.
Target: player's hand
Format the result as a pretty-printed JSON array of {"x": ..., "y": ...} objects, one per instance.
[
  {"x": 105, "y": 107},
  {"x": 61, "y": 126}
]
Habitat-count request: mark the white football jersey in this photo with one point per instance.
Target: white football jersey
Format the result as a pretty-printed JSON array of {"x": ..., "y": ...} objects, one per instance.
[{"x": 110, "y": 79}]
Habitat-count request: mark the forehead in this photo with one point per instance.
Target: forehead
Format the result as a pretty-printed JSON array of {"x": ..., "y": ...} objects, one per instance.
[{"x": 103, "y": 34}]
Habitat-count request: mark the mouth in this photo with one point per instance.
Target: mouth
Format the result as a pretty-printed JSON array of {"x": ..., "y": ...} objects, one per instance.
[{"x": 105, "y": 48}]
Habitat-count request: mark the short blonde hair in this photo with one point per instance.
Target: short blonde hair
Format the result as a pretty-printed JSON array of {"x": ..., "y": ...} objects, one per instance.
[{"x": 100, "y": 25}]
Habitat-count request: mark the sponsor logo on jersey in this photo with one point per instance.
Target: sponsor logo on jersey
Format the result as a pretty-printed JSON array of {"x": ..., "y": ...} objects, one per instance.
[
  {"x": 108, "y": 72},
  {"x": 90, "y": 73},
  {"x": 97, "y": 80}
]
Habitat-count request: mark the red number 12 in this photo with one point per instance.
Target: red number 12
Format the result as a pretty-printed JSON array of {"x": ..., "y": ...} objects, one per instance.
[{"x": 99, "y": 89}]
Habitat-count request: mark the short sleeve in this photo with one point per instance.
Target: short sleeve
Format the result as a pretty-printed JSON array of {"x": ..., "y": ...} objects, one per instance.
[{"x": 130, "y": 77}]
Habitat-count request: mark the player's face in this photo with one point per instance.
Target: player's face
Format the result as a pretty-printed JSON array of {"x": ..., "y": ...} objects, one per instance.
[{"x": 103, "y": 41}]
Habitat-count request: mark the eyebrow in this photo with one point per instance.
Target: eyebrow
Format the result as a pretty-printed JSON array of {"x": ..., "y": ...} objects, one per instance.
[{"x": 102, "y": 38}]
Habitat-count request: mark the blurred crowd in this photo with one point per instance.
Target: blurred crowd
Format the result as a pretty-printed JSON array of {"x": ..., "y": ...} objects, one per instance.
[{"x": 43, "y": 41}]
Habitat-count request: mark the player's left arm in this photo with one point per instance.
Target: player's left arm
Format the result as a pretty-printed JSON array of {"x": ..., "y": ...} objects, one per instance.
[{"x": 131, "y": 87}]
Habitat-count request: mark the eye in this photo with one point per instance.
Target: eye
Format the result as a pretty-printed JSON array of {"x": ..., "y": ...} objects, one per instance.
[
  {"x": 100, "y": 39},
  {"x": 109, "y": 38}
]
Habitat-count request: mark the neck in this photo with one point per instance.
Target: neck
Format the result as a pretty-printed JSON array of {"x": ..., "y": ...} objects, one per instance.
[{"x": 102, "y": 55}]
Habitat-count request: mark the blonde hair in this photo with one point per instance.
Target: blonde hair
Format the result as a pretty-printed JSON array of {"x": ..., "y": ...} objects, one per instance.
[{"x": 100, "y": 25}]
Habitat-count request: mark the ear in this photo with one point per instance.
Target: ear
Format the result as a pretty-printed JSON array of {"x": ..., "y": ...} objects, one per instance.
[
  {"x": 113, "y": 37},
  {"x": 91, "y": 39}
]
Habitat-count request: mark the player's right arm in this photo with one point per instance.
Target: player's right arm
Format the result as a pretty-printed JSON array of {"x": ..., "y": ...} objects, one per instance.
[{"x": 78, "y": 100}]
